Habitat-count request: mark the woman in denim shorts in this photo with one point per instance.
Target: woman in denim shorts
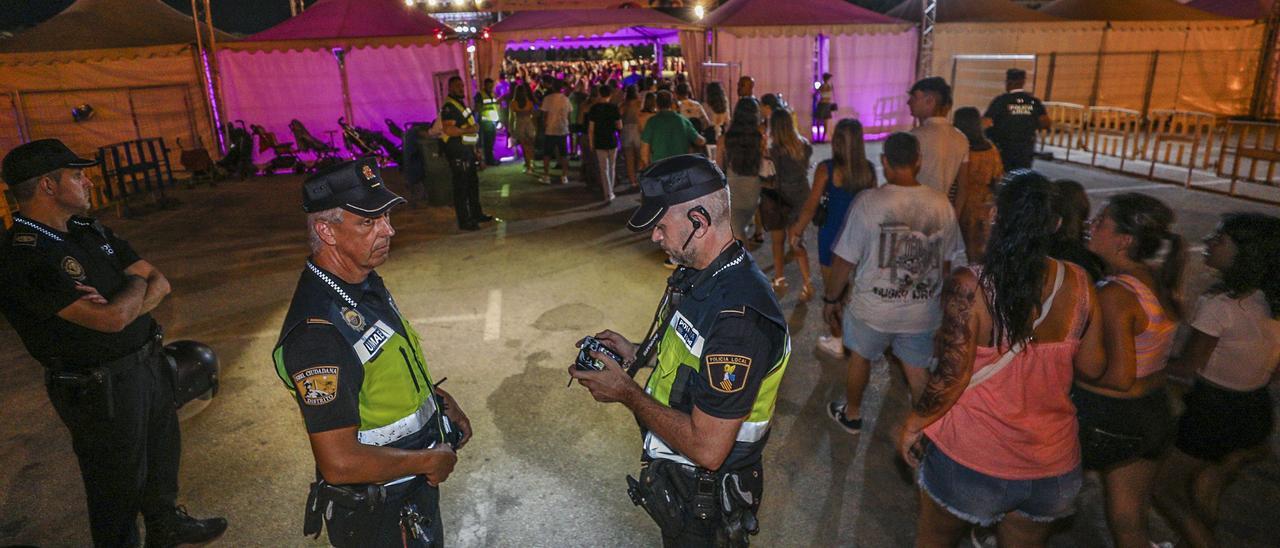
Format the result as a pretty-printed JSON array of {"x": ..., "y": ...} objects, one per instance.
[{"x": 1001, "y": 445}]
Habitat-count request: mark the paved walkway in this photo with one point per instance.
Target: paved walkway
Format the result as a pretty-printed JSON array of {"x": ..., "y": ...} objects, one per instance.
[{"x": 500, "y": 310}]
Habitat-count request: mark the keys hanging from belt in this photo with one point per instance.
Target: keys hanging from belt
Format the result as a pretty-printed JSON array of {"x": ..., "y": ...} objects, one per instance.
[{"x": 414, "y": 525}]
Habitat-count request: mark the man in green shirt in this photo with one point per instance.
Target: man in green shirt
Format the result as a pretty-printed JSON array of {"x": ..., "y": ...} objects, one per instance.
[{"x": 668, "y": 133}]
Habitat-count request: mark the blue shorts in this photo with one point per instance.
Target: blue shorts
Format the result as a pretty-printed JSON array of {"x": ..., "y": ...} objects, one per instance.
[
  {"x": 914, "y": 349},
  {"x": 978, "y": 498}
]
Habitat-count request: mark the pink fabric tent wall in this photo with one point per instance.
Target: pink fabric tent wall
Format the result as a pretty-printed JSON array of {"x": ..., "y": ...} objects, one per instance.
[
  {"x": 289, "y": 71},
  {"x": 871, "y": 56}
]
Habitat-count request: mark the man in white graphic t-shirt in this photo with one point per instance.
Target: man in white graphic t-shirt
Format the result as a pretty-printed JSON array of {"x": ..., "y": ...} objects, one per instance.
[{"x": 899, "y": 242}]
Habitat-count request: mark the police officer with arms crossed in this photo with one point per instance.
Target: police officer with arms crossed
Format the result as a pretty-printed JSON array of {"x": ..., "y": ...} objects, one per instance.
[
  {"x": 381, "y": 428},
  {"x": 488, "y": 114},
  {"x": 721, "y": 345},
  {"x": 1013, "y": 118},
  {"x": 461, "y": 136},
  {"x": 80, "y": 298}
]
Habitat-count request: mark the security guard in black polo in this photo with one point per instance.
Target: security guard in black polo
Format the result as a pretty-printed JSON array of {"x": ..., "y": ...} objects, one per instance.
[
  {"x": 488, "y": 115},
  {"x": 1013, "y": 118},
  {"x": 382, "y": 431},
  {"x": 721, "y": 348},
  {"x": 461, "y": 136},
  {"x": 80, "y": 298}
]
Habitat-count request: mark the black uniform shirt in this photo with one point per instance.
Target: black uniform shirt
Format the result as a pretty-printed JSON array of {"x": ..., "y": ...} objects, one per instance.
[
  {"x": 1017, "y": 116},
  {"x": 39, "y": 269},
  {"x": 318, "y": 344},
  {"x": 450, "y": 111},
  {"x": 739, "y": 337}
]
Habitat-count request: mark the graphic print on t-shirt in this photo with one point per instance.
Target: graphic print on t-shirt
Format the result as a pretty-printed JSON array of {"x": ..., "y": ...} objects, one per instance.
[{"x": 910, "y": 263}]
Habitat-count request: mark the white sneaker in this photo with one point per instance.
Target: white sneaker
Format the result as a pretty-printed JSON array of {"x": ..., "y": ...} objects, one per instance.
[
  {"x": 831, "y": 345},
  {"x": 564, "y": 180},
  {"x": 544, "y": 180}
]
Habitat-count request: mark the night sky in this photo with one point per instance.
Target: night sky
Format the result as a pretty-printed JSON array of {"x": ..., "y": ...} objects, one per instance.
[{"x": 238, "y": 16}]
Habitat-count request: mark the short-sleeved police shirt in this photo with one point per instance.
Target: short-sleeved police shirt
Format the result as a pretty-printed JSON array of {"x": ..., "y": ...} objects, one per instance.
[
  {"x": 39, "y": 270},
  {"x": 741, "y": 337},
  {"x": 1016, "y": 116},
  {"x": 318, "y": 344}
]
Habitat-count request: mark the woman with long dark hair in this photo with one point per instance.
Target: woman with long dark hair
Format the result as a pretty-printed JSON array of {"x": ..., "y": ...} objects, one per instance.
[
  {"x": 1069, "y": 241},
  {"x": 741, "y": 150},
  {"x": 1234, "y": 351},
  {"x": 780, "y": 202},
  {"x": 1125, "y": 424},
  {"x": 838, "y": 181},
  {"x": 1002, "y": 447}
]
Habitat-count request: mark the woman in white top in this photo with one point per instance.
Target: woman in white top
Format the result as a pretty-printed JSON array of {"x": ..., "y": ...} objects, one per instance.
[{"x": 1234, "y": 350}]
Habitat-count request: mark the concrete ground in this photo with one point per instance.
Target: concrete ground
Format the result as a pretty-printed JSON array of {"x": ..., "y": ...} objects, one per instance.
[{"x": 500, "y": 310}]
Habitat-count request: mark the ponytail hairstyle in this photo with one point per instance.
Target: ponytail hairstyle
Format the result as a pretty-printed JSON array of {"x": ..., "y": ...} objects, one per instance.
[
  {"x": 1148, "y": 221},
  {"x": 1257, "y": 262},
  {"x": 1013, "y": 268}
]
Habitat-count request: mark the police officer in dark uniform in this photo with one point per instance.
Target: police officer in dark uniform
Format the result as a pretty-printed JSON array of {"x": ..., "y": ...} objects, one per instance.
[
  {"x": 461, "y": 136},
  {"x": 80, "y": 298},
  {"x": 382, "y": 431},
  {"x": 488, "y": 115},
  {"x": 1012, "y": 119},
  {"x": 721, "y": 346}
]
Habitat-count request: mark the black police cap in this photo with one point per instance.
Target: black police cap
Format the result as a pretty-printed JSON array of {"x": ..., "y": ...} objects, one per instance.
[
  {"x": 672, "y": 181},
  {"x": 355, "y": 186},
  {"x": 38, "y": 158}
]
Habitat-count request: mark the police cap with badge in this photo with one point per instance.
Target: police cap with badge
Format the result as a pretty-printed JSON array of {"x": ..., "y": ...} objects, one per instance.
[
  {"x": 355, "y": 186},
  {"x": 672, "y": 181}
]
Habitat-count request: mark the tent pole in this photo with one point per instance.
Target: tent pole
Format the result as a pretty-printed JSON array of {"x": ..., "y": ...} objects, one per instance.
[
  {"x": 924, "y": 55},
  {"x": 341, "y": 55},
  {"x": 1266, "y": 85},
  {"x": 207, "y": 74}
]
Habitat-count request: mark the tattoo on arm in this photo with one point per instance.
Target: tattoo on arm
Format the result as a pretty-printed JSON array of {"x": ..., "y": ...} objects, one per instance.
[{"x": 954, "y": 345}]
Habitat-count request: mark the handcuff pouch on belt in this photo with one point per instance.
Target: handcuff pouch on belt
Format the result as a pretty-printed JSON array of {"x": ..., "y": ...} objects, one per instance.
[
  {"x": 673, "y": 493},
  {"x": 324, "y": 497}
]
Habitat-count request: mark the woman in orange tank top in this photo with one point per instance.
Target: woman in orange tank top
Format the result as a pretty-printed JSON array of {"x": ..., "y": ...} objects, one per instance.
[
  {"x": 1001, "y": 445},
  {"x": 1125, "y": 431}
]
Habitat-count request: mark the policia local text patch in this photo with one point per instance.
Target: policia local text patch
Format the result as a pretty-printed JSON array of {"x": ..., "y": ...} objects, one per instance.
[{"x": 728, "y": 372}]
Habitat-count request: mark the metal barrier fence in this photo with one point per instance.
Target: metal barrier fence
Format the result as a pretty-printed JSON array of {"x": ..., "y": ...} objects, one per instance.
[
  {"x": 1180, "y": 138},
  {"x": 1234, "y": 151},
  {"x": 1250, "y": 151},
  {"x": 1114, "y": 132},
  {"x": 1068, "y": 127}
]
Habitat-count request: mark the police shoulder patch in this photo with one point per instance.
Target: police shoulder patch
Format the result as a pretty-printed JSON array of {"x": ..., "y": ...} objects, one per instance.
[
  {"x": 24, "y": 239},
  {"x": 317, "y": 385},
  {"x": 728, "y": 372}
]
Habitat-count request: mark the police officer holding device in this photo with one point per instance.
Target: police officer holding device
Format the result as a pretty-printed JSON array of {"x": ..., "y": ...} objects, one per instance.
[
  {"x": 721, "y": 347},
  {"x": 382, "y": 431},
  {"x": 80, "y": 298}
]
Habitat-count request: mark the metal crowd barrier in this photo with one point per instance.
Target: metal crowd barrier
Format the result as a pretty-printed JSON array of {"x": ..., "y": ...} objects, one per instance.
[
  {"x": 1067, "y": 128},
  {"x": 1250, "y": 151},
  {"x": 1180, "y": 138},
  {"x": 1114, "y": 132},
  {"x": 134, "y": 170}
]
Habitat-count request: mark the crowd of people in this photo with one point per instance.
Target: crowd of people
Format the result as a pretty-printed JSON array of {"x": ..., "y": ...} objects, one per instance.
[{"x": 1037, "y": 343}]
